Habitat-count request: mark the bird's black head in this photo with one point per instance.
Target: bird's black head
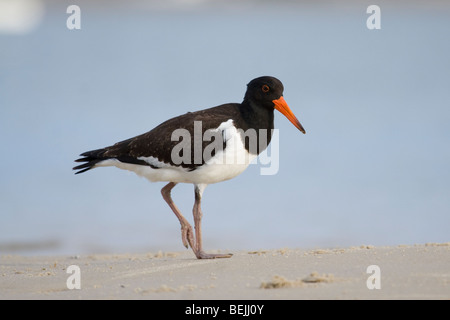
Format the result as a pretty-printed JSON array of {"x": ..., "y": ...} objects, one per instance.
[
  {"x": 264, "y": 90},
  {"x": 267, "y": 92}
]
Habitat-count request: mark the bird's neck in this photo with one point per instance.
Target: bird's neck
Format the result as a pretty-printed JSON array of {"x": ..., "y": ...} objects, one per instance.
[
  {"x": 257, "y": 117},
  {"x": 260, "y": 119}
]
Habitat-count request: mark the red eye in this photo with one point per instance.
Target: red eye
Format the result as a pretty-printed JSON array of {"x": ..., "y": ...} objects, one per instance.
[{"x": 265, "y": 88}]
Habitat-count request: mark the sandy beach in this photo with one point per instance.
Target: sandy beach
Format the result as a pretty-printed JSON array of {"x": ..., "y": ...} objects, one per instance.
[{"x": 405, "y": 272}]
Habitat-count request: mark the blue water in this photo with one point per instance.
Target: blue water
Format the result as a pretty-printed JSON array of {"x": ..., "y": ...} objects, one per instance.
[{"x": 373, "y": 167}]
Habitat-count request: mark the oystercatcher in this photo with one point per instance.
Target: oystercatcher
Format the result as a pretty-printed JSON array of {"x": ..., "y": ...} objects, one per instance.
[{"x": 201, "y": 148}]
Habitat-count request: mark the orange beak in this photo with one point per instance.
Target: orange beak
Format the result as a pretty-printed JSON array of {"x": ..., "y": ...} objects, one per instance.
[{"x": 281, "y": 105}]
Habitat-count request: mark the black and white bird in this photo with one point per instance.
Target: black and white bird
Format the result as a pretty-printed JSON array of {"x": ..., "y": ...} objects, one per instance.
[{"x": 215, "y": 146}]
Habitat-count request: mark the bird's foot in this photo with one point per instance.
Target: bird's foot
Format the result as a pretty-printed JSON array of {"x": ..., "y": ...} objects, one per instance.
[
  {"x": 187, "y": 236},
  {"x": 202, "y": 255}
]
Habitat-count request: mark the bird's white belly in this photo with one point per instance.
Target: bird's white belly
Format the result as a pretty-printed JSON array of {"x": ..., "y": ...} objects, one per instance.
[{"x": 224, "y": 165}]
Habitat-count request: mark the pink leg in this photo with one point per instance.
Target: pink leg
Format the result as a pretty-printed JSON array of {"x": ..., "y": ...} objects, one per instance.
[
  {"x": 197, "y": 211},
  {"x": 187, "y": 234}
]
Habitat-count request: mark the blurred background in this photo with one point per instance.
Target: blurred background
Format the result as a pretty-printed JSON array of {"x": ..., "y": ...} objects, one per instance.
[{"x": 373, "y": 167}]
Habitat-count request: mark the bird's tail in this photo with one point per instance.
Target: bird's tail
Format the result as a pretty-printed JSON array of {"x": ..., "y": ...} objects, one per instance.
[{"x": 90, "y": 159}]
